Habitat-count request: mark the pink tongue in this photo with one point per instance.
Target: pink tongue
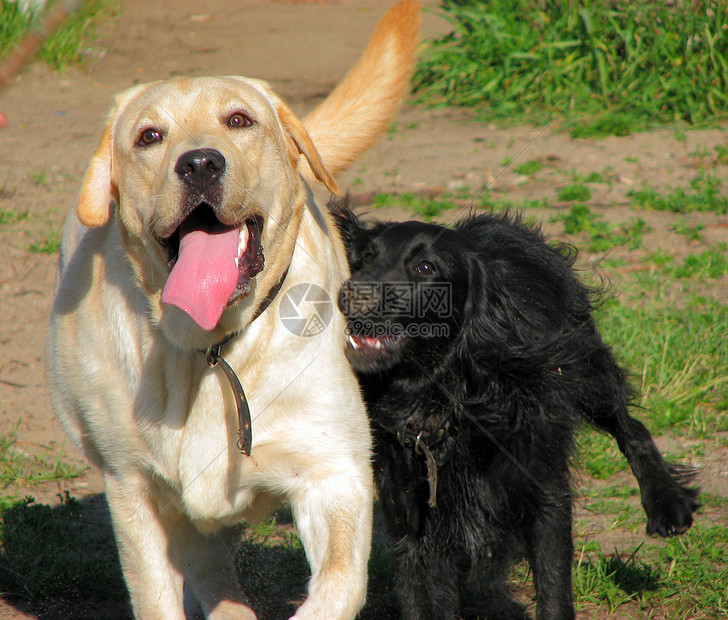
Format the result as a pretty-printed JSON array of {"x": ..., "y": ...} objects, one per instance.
[{"x": 205, "y": 275}]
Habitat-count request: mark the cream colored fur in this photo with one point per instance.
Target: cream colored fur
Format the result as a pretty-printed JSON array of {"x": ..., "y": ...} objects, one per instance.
[{"x": 128, "y": 376}]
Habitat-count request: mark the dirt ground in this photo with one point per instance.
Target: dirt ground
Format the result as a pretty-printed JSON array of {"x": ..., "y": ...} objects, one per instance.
[{"x": 302, "y": 49}]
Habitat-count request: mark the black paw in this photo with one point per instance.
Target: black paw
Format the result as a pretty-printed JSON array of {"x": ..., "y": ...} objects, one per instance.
[{"x": 670, "y": 507}]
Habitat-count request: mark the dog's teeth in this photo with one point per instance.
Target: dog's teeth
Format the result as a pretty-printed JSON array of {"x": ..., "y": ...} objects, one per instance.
[
  {"x": 243, "y": 241},
  {"x": 377, "y": 344},
  {"x": 353, "y": 343}
]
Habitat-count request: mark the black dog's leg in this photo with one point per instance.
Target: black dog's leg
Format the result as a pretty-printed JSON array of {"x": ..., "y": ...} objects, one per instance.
[
  {"x": 666, "y": 498},
  {"x": 550, "y": 553},
  {"x": 427, "y": 581}
]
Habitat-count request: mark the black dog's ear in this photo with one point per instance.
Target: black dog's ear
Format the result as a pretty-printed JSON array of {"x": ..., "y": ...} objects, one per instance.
[
  {"x": 353, "y": 233},
  {"x": 489, "y": 318},
  {"x": 511, "y": 314},
  {"x": 346, "y": 221}
]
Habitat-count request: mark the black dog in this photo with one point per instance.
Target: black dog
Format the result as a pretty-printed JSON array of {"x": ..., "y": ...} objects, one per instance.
[{"x": 478, "y": 357}]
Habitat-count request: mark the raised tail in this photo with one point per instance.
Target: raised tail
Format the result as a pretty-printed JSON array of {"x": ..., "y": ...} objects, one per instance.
[{"x": 359, "y": 110}]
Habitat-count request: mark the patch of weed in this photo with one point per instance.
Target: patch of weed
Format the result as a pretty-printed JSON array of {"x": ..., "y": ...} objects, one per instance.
[
  {"x": 424, "y": 206},
  {"x": 721, "y": 154},
  {"x": 608, "y": 123},
  {"x": 711, "y": 263},
  {"x": 607, "y": 68},
  {"x": 18, "y": 466},
  {"x": 66, "y": 45},
  {"x": 12, "y": 216},
  {"x": 678, "y": 356},
  {"x": 696, "y": 572},
  {"x": 528, "y": 167},
  {"x": 51, "y": 244},
  {"x": 39, "y": 178},
  {"x": 612, "y": 579},
  {"x": 706, "y": 196},
  {"x": 691, "y": 233},
  {"x": 574, "y": 192},
  {"x": 598, "y": 454},
  {"x": 602, "y": 235},
  {"x": 486, "y": 200}
]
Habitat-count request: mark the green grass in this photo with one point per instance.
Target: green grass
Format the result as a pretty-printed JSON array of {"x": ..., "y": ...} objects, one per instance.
[
  {"x": 487, "y": 201},
  {"x": 612, "y": 580},
  {"x": 598, "y": 455},
  {"x": 602, "y": 235},
  {"x": 50, "y": 244},
  {"x": 574, "y": 192},
  {"x": 606, "y": 175},
  {"x": 689, "y": 571},
  {"x": 690, "y": 232},
  {"x": 606, "y": 67},
  {"x": 705, "y": 195},
  {"x": 528, "y": 167},
  {"x": 426, "y": 207},
  {"x": 12, "y": 216},
  {"x": 721, "y": 154},
  {"x": 678, "y": 354},
  {"x": 696, "y": 571},
  {"x": 45, "y": 464},
  {"x": 66, "y": 46},
  {"x": 453, "y": 205},
  {"x": 710, "y": 263}
]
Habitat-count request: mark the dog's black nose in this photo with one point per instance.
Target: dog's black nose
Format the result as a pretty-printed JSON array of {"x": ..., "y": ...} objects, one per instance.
[{"x": 200, "y": 168}]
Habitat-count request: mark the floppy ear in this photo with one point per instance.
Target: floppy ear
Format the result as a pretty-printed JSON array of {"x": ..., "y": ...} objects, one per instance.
[
  {"x": 303, "y": 144},
  {"x": 524, "y": 303},
  {"x": 99, "y": 185},
  {"x": 93, "y": 208}
]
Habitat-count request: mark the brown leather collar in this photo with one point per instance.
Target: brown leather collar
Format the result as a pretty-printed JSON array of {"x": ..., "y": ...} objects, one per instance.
[{"x": 212, "y": 354}]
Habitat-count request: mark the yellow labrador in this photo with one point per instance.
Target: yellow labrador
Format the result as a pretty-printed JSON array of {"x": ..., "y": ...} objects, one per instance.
[{"x": 176, "y": 359}]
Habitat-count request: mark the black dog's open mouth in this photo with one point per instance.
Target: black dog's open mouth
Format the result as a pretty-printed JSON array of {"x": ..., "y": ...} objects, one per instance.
[
  {"x": 211, "y": 264},
  {"x": 379, "y": 344},
  {"x": 369, "y": 352}
]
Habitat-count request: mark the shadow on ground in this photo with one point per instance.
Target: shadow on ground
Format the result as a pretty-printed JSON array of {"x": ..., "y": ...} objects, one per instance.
[{"x": 61, "y": 563}]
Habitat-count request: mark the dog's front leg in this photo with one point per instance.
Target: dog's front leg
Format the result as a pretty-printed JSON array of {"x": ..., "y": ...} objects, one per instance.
[
  {"x": 152, "y": 565},
  {"x": 334, "y": 520}
]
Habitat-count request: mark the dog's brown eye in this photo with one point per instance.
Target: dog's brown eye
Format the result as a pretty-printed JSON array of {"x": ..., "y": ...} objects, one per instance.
[
  {"x": 425, "y": 268},
  {"x": 149, "y": 136},
  {"x": 239, "y": 120}
]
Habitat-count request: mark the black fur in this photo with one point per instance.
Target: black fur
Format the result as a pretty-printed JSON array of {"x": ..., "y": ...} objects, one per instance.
[{"x": 495, "y": 397}]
